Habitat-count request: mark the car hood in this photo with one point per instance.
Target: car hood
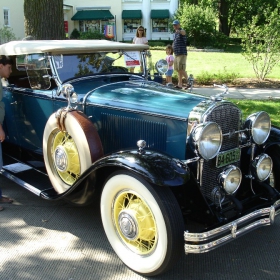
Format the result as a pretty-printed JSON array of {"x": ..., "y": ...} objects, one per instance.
[{"x": 145, "y": 96}]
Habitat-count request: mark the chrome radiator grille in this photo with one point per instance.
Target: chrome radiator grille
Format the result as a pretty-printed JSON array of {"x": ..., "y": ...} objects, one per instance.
[
  {"x": 227, "y": 116},
  {"x": 120, "y": 132}
]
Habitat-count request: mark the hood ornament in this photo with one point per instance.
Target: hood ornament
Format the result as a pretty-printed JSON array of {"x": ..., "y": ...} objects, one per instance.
[{"x": 220, "y": 96}]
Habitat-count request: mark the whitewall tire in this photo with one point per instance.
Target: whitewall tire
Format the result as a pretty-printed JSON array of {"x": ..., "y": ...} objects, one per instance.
[{"x": 143, "y": 223}]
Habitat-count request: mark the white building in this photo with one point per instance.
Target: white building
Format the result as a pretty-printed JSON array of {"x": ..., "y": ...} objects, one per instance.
[
  {"x": 124, "y": 15},
  {"x": 12, "y": 17}
]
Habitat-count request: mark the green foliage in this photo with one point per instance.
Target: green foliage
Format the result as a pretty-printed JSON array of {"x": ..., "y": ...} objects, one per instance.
[
  {"x": 92, "y": 35},
  {"x": 242, "y": 12},
  {"x": 159, "y": 44},
  {"x": 234, "y": 14},
  {"x": 6, "y": 35},
  {"x": 200, "y": 25},
  {"x": 75, "y": 34},
  {"x": 221, "y": 77},
  {"x": 250, "y": 106},
  {"x": 261, "y": 43}
]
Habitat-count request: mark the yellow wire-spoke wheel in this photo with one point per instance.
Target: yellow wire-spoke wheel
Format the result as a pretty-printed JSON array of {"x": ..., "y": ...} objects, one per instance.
[
  {"x": 66, "y": 157},
  {"x": 134, "y": 222}
]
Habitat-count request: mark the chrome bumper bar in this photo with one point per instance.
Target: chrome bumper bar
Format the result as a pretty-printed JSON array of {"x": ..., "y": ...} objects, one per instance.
[{"x": 230, "y": 231}]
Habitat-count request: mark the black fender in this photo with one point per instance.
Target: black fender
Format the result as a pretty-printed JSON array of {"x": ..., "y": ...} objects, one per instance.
[
  {"x": 273, "y": 139},
  {"x": 155, "y": 167}
]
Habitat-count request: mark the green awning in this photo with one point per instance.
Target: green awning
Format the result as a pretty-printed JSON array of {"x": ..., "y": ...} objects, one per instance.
[
  {"x": 159, "y": 14},
  {"x": 131, "y": 14},
  {"x": 93, "y": 15}
]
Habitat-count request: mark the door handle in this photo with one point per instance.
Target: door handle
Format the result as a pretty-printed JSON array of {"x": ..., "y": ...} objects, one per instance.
[{"x": 14, "y": 103}]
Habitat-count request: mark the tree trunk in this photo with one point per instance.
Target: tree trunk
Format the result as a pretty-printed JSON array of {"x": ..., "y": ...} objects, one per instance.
[
  {"x": 223, "y": 17},
  {"x": 44, "y": 19}
]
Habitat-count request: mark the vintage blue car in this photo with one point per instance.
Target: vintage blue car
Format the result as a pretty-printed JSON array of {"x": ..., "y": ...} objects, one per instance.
[{"x": 173, "y": 171}]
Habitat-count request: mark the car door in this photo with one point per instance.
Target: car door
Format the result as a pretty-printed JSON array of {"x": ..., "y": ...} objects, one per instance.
[{"x": 30, "y": 102}]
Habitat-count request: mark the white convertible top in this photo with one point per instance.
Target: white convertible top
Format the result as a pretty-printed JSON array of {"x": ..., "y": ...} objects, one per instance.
[{"x": 66, "y": 47}]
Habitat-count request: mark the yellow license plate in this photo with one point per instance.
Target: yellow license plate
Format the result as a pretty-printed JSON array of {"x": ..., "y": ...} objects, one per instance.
[{"x": 228, "y": 157}]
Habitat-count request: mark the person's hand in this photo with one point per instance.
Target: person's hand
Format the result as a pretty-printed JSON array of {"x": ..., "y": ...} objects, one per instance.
[{"x": 2, "y": 134}]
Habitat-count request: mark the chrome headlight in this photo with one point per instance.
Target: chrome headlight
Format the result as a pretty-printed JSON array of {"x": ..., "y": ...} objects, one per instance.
[
  {"x": 230, "y": 179},
  {"x": 259, "y": 125},
  {"x": 208, "y": 138},
  {"x": 261, "y": 167}
]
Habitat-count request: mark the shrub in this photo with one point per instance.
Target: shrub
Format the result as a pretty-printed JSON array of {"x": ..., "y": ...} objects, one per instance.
[
  {"x": 92, "y": 35},
  {"x": 6, "y": 35},
  {"x": 261, "y": 43},
  {"x": 221, "y": 77},
  {"x": 75, "y": 34}
]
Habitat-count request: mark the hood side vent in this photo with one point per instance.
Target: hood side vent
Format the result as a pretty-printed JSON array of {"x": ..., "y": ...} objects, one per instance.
[{"x": 118, "y": 132}]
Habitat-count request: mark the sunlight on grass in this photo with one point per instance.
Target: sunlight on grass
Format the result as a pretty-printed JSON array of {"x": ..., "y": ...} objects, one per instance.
[
  {"x": 272, "y": 107},
  {"x": 215, "y": 62}
]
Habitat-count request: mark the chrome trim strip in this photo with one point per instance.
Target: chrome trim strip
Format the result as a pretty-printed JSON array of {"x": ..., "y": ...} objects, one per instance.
[
  {"x": 234, "y": 230},
  {"x": 20, "y": 182},
  {"x": 136, "y": 111}
]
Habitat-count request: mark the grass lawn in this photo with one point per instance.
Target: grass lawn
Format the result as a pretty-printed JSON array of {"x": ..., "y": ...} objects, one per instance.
[
  {"x": 218, "y": 62},
  {"x": 272, "y": 107}
]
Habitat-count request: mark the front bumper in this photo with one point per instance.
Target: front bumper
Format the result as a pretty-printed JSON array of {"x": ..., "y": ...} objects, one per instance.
[{"x": 197, "y": 242}]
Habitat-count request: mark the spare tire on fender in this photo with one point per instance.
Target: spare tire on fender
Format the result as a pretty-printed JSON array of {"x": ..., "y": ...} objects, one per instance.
[{"x": 70, "y": 145}]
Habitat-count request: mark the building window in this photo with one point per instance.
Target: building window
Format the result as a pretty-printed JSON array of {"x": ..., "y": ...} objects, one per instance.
[
  {"x": 6, "y": 17},
  {"x": 160, "y": 25},
  {"x": 93, "y": 25},
  {"x": 130, "y": 25}
]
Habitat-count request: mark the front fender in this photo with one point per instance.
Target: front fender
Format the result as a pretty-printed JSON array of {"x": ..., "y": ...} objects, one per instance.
[
  {"x": 274, "y": 138},
  {"x": 155, "y": 167}
]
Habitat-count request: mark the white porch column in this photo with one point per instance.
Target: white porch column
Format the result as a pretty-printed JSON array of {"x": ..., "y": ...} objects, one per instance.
[
  {"x": 174, "y": 5},
  {"x": 146, "y": 17}
]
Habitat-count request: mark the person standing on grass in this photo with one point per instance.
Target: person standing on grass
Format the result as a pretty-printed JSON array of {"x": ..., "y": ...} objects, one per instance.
[
  {"x": 5, "y": 71},
  {"x": 170, "y": 62},
  {"x": 180, "y": 51},
  {"x": 139, "y": 39}
]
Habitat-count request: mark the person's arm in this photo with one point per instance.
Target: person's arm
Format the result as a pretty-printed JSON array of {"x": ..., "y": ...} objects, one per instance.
[
  {"x": 171, "y": 61},
  {"x": 2, "y": 133},
  {"x": 181, "y": 31}
]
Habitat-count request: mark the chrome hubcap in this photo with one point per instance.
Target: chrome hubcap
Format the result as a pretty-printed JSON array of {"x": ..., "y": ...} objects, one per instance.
[
  {"x": 60, "y": 159},
  {"x": 128, "y": 224}
]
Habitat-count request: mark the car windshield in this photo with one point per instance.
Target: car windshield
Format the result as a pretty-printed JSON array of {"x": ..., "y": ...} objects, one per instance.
[{"x": 77, "y": 65}]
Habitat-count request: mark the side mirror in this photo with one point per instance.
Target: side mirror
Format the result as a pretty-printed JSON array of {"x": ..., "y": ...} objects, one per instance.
[{"x": 162, "y": 66}]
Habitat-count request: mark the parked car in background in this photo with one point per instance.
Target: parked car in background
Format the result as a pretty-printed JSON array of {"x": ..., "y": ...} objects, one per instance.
[{"x": 173, "y": 171}]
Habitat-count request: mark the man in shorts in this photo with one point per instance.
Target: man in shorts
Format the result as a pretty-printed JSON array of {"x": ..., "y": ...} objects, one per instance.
[{"x": 180, "y": 51}]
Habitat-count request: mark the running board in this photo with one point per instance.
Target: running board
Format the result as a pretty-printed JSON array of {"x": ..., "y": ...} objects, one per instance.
[{"x": 20, "y": 182}]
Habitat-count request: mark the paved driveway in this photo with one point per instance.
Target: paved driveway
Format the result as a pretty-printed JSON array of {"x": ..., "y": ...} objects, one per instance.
[{"x": 47, "y": 240}]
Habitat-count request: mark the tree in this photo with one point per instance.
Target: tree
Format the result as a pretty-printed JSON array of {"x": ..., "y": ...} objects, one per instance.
[
  {"x": 261, "y": 42},
  {"x": 200, "y": 25},
  {"x": 44, "y": 19},
  {"x": 233, "y": 14}
]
